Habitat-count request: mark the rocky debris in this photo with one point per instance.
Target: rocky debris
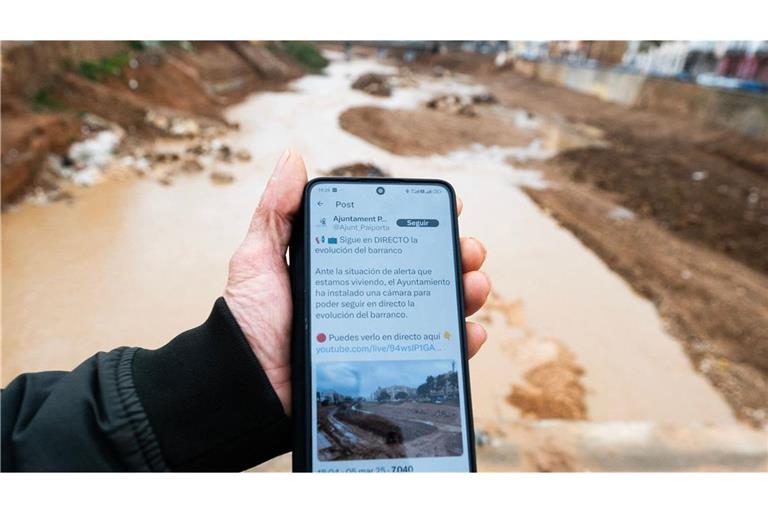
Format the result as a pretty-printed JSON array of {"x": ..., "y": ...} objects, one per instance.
[
  {"x": 358, "y": 170},
  {"x": 133, "y": 112},
  {"x": 453, "y": 104},
  {"x": 191, "y": 166},
  {"x": 84, "y": 162},
  {"x": 219, "y": 151},
  {"x": 140, "y": 92},
  {"x": 243, "y": 155},
  {"x": 374, "y": 84},
  {"x": 88, "y": 161},
  {"x": 40, "y": 195},
  {"x": 484, "y": 98},
  {"x": 93, "y": 153},
  {"x": 46, "y": 187},
  {"x": 405, "y": 78},
  {"x": 222, "y": 177},
  {"x": 180, "y": 126},
  {"x": 194, "y": 158},
  {"x": 460, "y": 104}
]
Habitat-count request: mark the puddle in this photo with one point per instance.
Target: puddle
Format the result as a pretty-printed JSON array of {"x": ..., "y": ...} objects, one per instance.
[{"x": 135, "y": 263}]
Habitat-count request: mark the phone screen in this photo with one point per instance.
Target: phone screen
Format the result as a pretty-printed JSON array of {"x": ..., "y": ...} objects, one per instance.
[{"x": 388, "y": 371}]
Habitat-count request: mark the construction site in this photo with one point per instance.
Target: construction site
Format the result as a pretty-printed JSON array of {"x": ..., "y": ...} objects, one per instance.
[{"x": 621, "y": 191}]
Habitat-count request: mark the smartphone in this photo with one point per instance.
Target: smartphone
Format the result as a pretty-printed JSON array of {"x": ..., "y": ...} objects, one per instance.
[{"x": 380, "y": 375}]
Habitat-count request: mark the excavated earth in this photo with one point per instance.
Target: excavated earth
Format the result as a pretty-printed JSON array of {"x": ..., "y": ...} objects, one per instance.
[
  {"x": 680, "y": 210},
  {"x": 48, "y": 86}
]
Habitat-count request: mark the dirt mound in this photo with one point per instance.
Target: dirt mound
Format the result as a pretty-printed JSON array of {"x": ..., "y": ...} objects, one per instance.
[
  {"x": 717, "y": 307},
  {"x": 358, "y": 170},
  {"x": 426, "y": 132},
  {"x": 696, "y": 196},
  {"x": 553, "y": 390},
  {"x": 234, "y": 69},
  {"x": 656, "y": 131},
  {"x": 26, "y": 143},
  {"x": 390, "y": 432},
  {"x": 148, "y": 89},
  {"x": 374, "y": 84}
]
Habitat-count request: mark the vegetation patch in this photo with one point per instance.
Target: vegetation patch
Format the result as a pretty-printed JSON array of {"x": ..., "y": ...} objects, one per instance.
[
  {"x": 43, "y": 100},
  {"x": 98, "y": 70},
  {"x": 306, "y": 54}
]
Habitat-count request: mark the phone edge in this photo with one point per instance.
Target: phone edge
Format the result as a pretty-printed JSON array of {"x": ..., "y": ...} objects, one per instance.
[{"x": 300, "y": 346}]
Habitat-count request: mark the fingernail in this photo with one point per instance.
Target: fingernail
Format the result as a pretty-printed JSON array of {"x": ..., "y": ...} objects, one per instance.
[{"x": 281, "y": 163}]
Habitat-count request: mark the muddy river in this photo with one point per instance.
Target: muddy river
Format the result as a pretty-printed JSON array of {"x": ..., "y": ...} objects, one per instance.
[{"x": 135, "y": 262}]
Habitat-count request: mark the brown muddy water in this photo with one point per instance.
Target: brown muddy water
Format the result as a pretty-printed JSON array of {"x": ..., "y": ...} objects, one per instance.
[{"x": 135, "y": 262}]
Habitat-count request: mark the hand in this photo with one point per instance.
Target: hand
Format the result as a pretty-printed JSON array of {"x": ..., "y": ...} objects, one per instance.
[{"x": 258, "y": 290}]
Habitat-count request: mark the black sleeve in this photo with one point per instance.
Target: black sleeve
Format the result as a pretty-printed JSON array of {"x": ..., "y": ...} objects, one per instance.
[{"x": 200, "y": 403}]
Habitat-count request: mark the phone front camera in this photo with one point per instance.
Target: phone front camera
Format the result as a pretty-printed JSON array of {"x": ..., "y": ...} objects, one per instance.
[{"x": 380, "y": 191}]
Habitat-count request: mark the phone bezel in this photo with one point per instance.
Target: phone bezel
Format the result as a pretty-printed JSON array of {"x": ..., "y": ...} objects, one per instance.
[{"x": 301, "y": 344}]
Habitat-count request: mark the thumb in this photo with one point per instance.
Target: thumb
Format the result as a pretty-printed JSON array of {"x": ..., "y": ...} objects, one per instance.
[{"x": 280, "y": 201}]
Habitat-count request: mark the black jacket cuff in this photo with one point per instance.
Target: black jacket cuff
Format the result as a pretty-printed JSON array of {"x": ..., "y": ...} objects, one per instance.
[{"x": 209, "y": 402}]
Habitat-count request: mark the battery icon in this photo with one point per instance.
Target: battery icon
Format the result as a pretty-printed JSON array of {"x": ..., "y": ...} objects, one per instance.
[{"x": 332, "y": 240}]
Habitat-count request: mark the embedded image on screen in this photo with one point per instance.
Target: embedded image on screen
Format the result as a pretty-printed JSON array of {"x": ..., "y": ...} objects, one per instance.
[{"x": 388, "y": 410}]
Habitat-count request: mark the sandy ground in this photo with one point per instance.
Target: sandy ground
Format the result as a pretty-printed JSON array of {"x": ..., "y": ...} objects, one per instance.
[
  {"x": 678, "y": 210},
  {"x": 137, "y": 263}
]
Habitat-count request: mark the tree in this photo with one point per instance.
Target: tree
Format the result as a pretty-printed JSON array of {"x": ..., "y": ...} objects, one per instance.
[
  {"x": 401, "y": 395},
  {"x": 384, "y": 396},
  {"x": 423, "y": 390}
]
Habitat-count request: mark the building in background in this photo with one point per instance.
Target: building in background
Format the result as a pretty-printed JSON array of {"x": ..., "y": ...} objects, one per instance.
[
  {"x": 732, "y": 64},
  {"x": 718, "y": 63}
]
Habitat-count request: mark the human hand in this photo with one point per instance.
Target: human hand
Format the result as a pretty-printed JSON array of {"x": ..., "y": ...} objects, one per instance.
[{"x": 258, "y": 290}]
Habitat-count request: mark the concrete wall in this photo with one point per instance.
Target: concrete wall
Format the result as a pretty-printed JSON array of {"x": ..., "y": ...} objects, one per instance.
[{"x": 739, "y": 111}]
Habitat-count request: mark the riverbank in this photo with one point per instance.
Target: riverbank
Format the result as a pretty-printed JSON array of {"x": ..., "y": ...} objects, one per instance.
[
  {"x": 59, "y": 93},
  {"x": 678, "y": 209}
]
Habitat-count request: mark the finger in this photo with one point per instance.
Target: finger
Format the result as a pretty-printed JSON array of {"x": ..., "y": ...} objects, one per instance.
[
  {"x": 280, "y": 200},
  {"x": 459, "y": 205},
  {"x": 472, "y": 254},
  {"x": 477, "y": 286},
  {"x": 476, "y": 336}
]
